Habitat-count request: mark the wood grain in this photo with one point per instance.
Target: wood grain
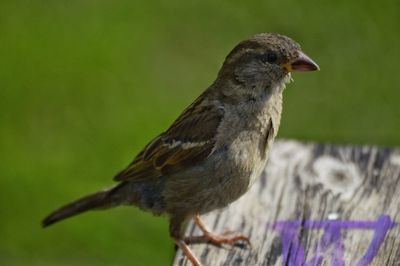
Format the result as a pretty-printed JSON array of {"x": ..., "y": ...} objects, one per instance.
[{"x": 306, "y": 183}]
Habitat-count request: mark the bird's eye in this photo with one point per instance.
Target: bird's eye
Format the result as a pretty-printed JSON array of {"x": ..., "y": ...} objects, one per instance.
[{"x": 269, "y": 57}]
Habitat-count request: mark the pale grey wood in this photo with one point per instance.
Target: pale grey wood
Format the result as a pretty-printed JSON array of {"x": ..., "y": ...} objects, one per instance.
[{"x": 310, "y": 182}]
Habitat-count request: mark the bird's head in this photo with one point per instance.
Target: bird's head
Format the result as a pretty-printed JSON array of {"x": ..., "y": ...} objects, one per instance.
[{"x": 264, "y": 60}]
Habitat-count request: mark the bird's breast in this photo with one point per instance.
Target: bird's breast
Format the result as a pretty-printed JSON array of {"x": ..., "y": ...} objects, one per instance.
[{"x": 248, "y": 135}]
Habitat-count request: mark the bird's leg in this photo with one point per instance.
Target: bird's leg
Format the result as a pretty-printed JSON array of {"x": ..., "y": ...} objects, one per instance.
[
  {"x": 188, "y": 253},
  {"x": 175, "y": 230},
  {"x": 214, "y": 239}
]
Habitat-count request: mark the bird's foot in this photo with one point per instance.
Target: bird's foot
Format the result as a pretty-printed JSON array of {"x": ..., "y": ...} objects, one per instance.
[{"x": 219, "y": 240}]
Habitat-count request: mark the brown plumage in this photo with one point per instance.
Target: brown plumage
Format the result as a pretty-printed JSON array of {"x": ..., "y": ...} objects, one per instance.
[{"x": 216, "y": 148}]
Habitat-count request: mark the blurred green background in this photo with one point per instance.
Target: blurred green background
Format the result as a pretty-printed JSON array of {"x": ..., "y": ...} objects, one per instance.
[{"x": 85, "y": 84}]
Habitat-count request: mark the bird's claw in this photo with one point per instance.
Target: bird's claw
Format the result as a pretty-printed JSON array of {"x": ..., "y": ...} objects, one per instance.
[{"x": 219, "y": 240}]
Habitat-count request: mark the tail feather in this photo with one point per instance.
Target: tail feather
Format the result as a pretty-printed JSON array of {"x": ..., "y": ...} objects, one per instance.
[{"x": 99, "y": 200}]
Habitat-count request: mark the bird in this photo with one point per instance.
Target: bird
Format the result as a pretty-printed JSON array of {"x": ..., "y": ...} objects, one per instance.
[{"x": 215, "y": 150}]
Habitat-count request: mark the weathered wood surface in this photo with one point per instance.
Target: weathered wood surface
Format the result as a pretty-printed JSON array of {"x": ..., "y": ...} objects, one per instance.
[{"x": 311, "y": 185}]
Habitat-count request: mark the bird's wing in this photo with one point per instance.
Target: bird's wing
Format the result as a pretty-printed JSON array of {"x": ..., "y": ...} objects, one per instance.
[{"x": 188, "y": 141}]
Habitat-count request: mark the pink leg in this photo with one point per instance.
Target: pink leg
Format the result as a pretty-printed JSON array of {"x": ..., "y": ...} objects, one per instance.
[
  {"x": 188, "y": 253},
  {"x": 214, "y": 239}
]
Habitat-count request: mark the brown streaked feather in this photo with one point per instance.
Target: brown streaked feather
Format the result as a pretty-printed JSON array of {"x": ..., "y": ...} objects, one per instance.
[
  {"x": 182, "y": 158},
  {"x": 181, "y": 146}
]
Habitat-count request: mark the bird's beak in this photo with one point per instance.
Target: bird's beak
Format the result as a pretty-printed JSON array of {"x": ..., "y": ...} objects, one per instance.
[{"x": 301, "y": 63}]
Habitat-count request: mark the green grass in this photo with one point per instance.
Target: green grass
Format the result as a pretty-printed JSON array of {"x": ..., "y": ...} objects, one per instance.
[{"x": 85, "y": 84}]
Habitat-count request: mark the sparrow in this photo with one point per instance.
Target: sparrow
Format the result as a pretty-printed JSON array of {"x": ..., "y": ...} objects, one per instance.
[{"x": 215, "y": 150}]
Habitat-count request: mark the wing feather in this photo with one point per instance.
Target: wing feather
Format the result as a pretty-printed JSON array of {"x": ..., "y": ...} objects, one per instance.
[{"x": 189, "y": 140}]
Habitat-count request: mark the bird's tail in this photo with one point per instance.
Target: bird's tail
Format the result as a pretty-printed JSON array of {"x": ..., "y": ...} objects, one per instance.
[{"x": 99, "y": 200}]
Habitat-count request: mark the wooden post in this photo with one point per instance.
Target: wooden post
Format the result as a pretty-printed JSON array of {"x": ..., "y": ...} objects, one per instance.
[{"x": 313, "y": 205}]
